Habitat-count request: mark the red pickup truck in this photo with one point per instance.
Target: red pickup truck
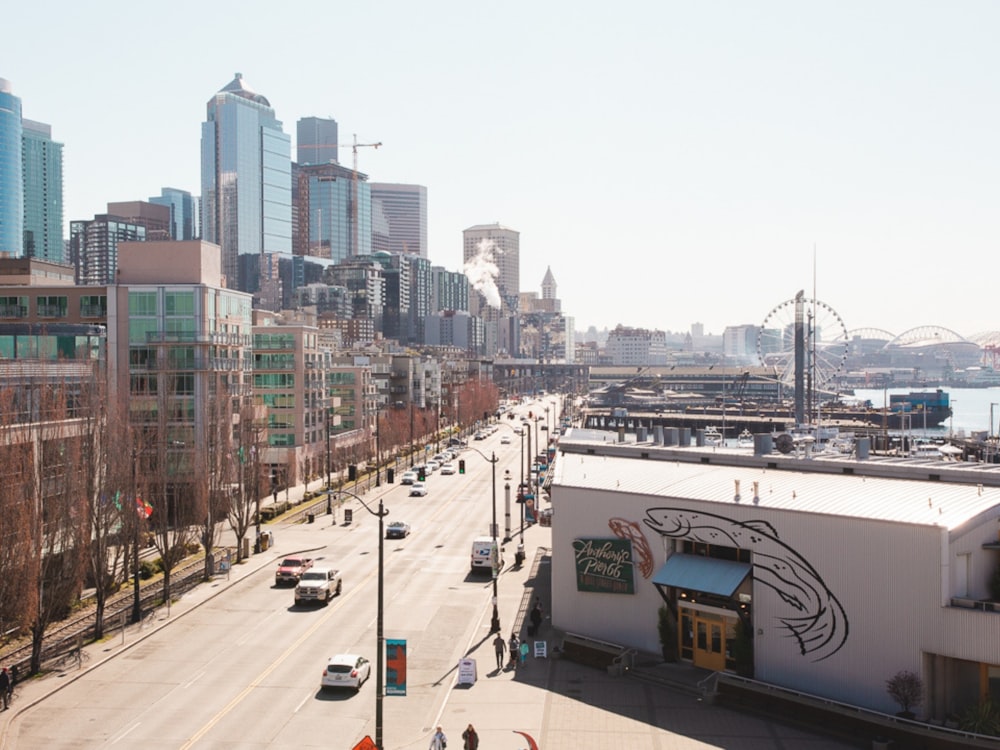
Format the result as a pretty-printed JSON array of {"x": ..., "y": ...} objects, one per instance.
[{"x": 290, "y": 570}]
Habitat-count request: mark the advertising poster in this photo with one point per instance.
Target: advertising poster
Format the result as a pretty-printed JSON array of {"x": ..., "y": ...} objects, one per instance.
[{"x": 395, "y": 667}]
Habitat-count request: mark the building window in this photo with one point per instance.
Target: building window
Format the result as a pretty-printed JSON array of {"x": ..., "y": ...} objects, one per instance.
[
  {"x": 94, "y": 306},
  {"x": 13, "y": 307},
  {"x": 141, "y": 303},
  {"x": 52, "y": 307},
  {"x": 180, "y": 303}
]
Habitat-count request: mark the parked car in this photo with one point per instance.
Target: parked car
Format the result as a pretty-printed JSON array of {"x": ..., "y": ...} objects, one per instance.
[
  {"x": 318, "y": 585},
  {"x": 409, "y": 477},
  {"x": 290, "y": 570},
  {"x": 397, "y": 530},
  {"x": 418, "y": 489},
  {"x": 448, "y": 468},
  {"x": 479, "y": 436},
  {"x": 347, "y": 671},
  {"x": 432, "y": 466}
]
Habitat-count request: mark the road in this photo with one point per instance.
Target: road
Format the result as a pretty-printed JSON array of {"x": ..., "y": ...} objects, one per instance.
[{"x": 244, "y": 668}]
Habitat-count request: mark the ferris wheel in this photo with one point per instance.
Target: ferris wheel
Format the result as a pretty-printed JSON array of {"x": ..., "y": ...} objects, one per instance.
[{"x": 824, "y": 336}]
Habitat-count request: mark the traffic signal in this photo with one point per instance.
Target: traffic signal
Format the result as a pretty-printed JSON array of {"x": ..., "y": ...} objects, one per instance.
[
  {"x": 352, "y": 473},
  {"x": 421, "y": 474},
  {"x": 461, "y": 466},
  {"x": 390, "y": 475}
]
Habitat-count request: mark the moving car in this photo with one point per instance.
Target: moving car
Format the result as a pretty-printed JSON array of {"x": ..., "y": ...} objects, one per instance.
[
  {"x": 448, "y": 468},
  {"x": 505, "y": 440},
  {"x": 318, "y": 585},
  {"x": 409, "y": 477},
  {"x": 482, "y": 557},
  {"x": 397, "y": 530},
  {"x": 418, "y": 489},
  {"x": 346, "y": 670},
  {"x": 290, "y": 570}
]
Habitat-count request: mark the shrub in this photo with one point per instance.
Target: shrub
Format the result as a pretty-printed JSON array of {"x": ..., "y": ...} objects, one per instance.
[
  {"x": 906, "y": 689},
  {"x": 995, "y": 585},
  {"x": 667, "y": 627},
  {"x": 983, "y": 718},
  {"x": 149, "y": 568}
]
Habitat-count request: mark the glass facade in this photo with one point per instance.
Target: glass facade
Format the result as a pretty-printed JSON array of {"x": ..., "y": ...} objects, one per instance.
[
  {"x": 11, "y": 184},
  {"x": 246, "y": 180},
  {"x": 324, "y": 200},
  {"x": 183, "y": 213},
  {"x": 42, "y": 166}
]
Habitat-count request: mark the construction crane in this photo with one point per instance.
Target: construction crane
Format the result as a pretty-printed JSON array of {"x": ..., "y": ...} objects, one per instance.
[
  {"x": 354, "y": 146},
  {"x": 354, "y": 187}
]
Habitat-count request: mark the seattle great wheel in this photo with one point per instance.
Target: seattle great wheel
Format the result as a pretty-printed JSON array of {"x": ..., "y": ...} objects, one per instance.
[{"x": 824, "y": 337}]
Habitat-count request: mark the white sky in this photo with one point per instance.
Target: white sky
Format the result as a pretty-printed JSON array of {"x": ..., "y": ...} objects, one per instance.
[{"x": 672, "y": 161}]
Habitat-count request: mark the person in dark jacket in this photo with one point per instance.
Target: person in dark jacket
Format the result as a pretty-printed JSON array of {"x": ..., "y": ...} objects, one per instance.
[
  {"x": 6, "y": 686},
  {"x": 536, "y": 617},
  {"x": 471, "y": 738}
]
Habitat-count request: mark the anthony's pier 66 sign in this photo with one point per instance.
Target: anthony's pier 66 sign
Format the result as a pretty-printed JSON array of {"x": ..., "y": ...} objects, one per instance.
[{"x": 604, "y": 566}]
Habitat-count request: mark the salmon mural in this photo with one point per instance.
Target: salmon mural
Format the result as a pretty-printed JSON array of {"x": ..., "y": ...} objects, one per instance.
[{"x": 815, "y": 618}]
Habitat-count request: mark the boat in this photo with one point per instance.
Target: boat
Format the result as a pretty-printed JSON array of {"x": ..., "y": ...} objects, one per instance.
[
  {"x": 745, "y": 439},
  {"x": 712, "y": 436}
]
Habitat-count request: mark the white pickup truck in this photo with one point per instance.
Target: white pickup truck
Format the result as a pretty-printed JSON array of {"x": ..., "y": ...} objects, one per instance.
[{"x": 318, "y": 585}]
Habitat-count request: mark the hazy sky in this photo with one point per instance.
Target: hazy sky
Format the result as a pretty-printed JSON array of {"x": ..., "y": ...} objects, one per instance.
[{"x": 673, "y": 162}]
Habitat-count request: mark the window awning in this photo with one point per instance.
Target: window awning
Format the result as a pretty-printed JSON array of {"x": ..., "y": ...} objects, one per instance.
[{"x": 705, "y": 574}]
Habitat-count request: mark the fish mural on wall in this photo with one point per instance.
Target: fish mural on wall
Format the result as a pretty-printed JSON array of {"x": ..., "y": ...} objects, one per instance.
[{"x": 816, "y": 619}]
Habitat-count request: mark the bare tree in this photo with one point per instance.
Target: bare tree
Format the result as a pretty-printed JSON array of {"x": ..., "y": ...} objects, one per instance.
[
  {"x": 213, "y": 475},
  {"x": 16, "y": 591},
  {"x": 248, "y": 467}
]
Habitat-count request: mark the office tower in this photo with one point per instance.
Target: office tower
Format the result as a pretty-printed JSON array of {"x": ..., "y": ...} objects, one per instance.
[
  {"x": 246, "y": 182},
  {"x": 324, "y": 217},
  {"x": 405, "y": 209},
  {"x": 42, "y": 174},
  {"x": 11, "y": 184},
  {"x": 316, "y": 140},
  {"x": 93, "y": 244},
  {"x": 491, "y": 254},
  {"x": 183, "y": 212}
]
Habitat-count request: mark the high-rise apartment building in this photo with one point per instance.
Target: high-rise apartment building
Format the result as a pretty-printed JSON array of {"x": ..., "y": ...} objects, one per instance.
[
  {"x": 93, "y": 244},
  {"x": 246, "y": 182},
  {"x": 42, "y": 173},
  {"x": 449, "y": 290},
  {"x": 183, "y": 212},
  {"x": 405, "y": 210},
  {"x": 316, "y": 140},
  {"x": 11, "y": 184}
]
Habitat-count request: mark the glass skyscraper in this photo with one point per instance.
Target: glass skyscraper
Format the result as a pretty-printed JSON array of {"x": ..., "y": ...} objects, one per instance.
[
  {"x": 183, "y": 212},
  {"x": 246, "y": 182},
  {"x": 325, "y": 228},
  {"x": 42, "y": 166},
  {"x": 11, "y": 185}
]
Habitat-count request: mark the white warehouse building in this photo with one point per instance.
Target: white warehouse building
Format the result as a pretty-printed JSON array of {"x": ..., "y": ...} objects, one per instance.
[{"x": 840, "y": 572}]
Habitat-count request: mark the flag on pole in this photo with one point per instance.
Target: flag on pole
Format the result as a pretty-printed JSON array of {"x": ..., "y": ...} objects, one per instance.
[{"x": 144, "y": 509}]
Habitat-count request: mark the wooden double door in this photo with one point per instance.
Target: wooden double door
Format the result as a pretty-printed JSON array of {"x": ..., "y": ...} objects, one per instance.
[{"x": 704, "y": 637}]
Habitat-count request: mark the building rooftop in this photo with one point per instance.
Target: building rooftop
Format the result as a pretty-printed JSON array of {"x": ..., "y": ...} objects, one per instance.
[{"x": 947, "y": 494}]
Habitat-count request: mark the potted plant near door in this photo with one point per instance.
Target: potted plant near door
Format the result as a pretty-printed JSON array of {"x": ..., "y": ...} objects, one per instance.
[
  {"x": 907, "y": 689},
  {"x": 666, "y": 626}
]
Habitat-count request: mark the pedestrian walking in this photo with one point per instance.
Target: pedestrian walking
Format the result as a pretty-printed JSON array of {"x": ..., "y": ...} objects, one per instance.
[
  {"x": 6, "y": 687},
  {"x": 438, "y": 741},
  {"x": 499, "y": 645},
  {"x": 471, "y": 738},
  {"x": 513, "y": 647},
  {"x": 536, "y": 617}
]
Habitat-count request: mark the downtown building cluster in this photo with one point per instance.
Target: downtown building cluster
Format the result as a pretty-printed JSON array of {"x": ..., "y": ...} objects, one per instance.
[{"x": 298, "y": 288}]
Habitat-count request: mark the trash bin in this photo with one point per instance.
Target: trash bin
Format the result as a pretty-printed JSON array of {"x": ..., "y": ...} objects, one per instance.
[
  {"x": 348, "y": 515},
  {"x": 246, "y": 547},
  {"x": 264, "y": 541},
  {"x": 311, "y": 517}
]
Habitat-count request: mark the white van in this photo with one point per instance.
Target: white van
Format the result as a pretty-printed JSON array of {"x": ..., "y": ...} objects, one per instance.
[{"x": 482, "y": 547}]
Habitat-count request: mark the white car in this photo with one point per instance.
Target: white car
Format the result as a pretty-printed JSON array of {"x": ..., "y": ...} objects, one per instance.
[
  {"x": 418, "y": 489},
  {"x": 448, "y": 469},
  {"x": 409, "y": 477},
  {"x": 432, "y": 466},
  {"x": 505, "y": 440},
  {"x": 347, "y": 671}
]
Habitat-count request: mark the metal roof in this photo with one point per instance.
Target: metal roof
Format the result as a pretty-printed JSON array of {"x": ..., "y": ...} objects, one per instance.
[{"x": 913, "y": 492}]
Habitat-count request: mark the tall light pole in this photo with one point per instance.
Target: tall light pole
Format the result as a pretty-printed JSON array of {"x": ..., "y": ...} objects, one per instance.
[
  {"x": 379, "y": 618},
  {"x": 329, "y": 500},
  {"x": 495, "y": 622}
]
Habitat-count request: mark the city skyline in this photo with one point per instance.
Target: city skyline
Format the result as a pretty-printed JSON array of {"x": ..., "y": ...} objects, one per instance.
[{"x": 733, "y": 155}]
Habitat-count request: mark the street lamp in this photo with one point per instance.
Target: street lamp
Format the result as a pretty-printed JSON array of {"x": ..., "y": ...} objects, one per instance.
[
  {"x": 379, "y": 634},
  {"x": 134, "y": 510},
  {"x": 329, "y": 500},
  {"x": 495, "y": 622}
]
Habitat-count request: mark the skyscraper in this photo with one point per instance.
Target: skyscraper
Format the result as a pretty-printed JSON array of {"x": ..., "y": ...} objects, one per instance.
[
  {"x": 491, "y": 254},
  {"x": 405, "y": 208},
  {"x": 316, "y": 140},
  {"x": 42, "y": 172},
  {"x": 246, "y": 182},
  {"x": 183, "y": 212},
  {"x": 11, "y": 185},
  {"x": 324, "y": 221},
  {"x": 93, "y": 245}
]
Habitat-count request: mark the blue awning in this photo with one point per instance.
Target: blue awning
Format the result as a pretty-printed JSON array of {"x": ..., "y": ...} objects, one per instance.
[{"x": 706, "y": 574}]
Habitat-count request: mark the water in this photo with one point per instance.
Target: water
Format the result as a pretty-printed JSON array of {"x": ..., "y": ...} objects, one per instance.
[{"x": 970, "y": 408}]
